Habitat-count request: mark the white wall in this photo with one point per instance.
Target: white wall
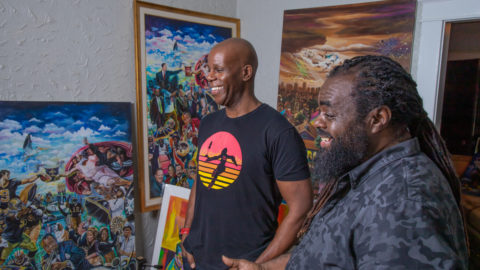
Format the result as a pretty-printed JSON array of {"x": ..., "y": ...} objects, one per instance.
[
  {"x": 79, "y": 50},
  {"x": 262, "y": 25}
]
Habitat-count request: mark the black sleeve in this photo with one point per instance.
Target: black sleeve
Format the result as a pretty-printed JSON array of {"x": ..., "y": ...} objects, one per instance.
[{"x": 289, "y": 156}]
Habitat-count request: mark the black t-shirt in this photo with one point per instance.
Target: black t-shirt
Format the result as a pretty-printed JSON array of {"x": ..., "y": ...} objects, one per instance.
[{"x": 237, "y": 199}]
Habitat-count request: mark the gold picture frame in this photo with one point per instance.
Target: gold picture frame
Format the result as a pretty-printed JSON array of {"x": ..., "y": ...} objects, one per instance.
[{"x": 179, "y": 39}]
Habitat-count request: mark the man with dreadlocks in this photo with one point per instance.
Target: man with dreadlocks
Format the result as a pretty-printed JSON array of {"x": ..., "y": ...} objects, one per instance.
[{"x": 392, "y": 199}]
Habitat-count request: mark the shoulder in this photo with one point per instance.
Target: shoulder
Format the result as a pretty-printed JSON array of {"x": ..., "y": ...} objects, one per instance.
[
  {"x": 414, "y": 180},
  {"x": 272, "y": 118}
]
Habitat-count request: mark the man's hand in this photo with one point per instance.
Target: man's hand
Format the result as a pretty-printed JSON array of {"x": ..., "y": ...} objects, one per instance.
[
  {"x": 186, "y": 254},
  {"x": 241, "y": 264}
]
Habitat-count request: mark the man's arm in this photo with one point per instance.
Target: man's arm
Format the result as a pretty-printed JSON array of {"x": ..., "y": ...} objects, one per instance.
[
  {"x": 278, "y": 263},
  {"x": 188, "y": 222},
  {"x": 299, "y": 198},
  {"x": 29, "y": 179}
]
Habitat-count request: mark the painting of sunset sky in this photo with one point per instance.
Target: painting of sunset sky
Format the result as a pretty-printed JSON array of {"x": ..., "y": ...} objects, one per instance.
[{"x": 315, "y": 40}]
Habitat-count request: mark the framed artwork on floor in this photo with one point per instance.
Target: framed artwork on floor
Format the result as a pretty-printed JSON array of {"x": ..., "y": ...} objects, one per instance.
[
  {"x": 167, "y": 250},
  {"x": 171, "y": 57},
  {"x": 66, "y": 179}
]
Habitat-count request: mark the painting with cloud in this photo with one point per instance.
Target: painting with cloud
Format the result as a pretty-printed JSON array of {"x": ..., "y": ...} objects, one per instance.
[
  {"x": 66, "y": 175},
  {"x": 315, "y": 40},
  {"x": 173, "y": 96}
]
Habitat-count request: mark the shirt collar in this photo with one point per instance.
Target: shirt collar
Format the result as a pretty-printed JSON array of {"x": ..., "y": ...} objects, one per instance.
[{"x": 385, "y": 157}]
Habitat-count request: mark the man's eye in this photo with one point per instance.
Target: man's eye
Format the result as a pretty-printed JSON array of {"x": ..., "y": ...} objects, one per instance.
[{"x": 329, "y": 116}]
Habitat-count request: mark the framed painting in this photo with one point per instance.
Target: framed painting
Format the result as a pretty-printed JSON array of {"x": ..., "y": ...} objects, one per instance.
[
  {"x": 66, "y": 173},
  {"x": 167, "y": 250},
  {"x": 171, "y": 56},
  {"x": 315, "y": 40}
]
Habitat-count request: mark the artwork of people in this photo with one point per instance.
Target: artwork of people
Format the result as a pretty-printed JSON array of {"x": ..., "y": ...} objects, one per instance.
[
  {"x": 66, "y": 192},
  {"x": 177, "y": 96}
]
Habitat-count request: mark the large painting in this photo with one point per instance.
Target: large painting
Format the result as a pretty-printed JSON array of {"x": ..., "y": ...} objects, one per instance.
[
  {"x": 316, "y": 40},
  {"x": 172, "y": 47},
  {"x": 66, "y": 192}
]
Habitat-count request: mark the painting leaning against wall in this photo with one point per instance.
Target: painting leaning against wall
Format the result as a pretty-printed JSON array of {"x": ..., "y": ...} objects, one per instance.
[
  {"x": 66, "y": 192},
  {"x": 315, "y": 40}
]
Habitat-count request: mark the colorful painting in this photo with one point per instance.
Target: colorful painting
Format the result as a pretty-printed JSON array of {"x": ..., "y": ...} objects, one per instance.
[
  {"x": 66, "y": 193},
  {"x": 315, "y": 40},
  {"x": 167, "y": 251},
  {"x": 172, "y": 92}
]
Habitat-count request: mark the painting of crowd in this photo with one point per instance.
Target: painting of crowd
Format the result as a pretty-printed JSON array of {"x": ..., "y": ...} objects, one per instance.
[
  {"x": 74, "y": 213},
  {"x": 316, "y": 40},
  {"x": 297, "y": 104},
  {"x": 175, "y": 109}
]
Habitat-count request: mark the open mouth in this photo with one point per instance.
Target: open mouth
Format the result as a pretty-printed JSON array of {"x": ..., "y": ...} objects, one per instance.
[
  {"x": 325, "y": 142},
  {"x": 216, "y": 89}
]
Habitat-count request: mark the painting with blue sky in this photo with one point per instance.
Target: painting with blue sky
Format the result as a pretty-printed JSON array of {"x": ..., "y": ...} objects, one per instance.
[
  {"x": 174, "y": 95},
  {"x": 177, "y": 43},
  {"x": 66, "y": 173}
]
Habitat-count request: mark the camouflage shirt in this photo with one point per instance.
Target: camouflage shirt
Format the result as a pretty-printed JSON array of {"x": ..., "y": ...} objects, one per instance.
[{"x": 395, "y": 211}]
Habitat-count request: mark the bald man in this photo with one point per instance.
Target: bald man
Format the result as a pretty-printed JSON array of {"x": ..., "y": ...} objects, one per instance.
[{"x": 249, "y": 158}]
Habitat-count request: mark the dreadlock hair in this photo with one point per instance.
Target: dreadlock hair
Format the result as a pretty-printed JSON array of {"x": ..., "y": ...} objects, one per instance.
[{"x": 380, "y": 81}]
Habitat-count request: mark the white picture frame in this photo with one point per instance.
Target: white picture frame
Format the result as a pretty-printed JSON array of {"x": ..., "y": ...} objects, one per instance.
[{"x": 169, "y": 192}]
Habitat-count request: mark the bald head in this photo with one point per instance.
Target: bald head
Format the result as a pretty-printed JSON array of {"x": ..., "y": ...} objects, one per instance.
[
  {"x": 240, "y": 49},
  {"x": 231, "y": 72}
]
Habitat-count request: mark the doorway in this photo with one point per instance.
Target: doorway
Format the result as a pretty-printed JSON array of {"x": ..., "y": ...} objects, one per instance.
[
  {"x": 459, "y": 121},
  {"x": 460, "y": 110}
]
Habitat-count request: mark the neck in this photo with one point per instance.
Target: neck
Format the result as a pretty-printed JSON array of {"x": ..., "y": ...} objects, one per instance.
[
  {"x": 386, "y": 139},
  {"x": 245, "y": 104}
]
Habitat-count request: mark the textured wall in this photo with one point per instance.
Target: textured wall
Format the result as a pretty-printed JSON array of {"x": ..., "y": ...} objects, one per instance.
[
  {"x": 67, "y": 50},
  {"x": 79, "y": 50}
]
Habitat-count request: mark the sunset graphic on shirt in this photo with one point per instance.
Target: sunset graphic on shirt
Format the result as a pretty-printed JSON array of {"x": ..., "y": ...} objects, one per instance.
[{"x": 219, "y": 161}]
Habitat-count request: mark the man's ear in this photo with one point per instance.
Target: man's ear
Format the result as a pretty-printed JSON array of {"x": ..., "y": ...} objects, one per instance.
[
  {"x": 247, "y": 72},
  {"x": 378, "y": 119}
]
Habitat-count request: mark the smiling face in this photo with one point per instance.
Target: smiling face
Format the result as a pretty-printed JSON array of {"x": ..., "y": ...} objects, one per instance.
[
  {"x": 90, "y": 236},
  {"x": 225, "y": 75},
  {"x": 344, "y": 139},
  {"x": 337, "y": 109}
]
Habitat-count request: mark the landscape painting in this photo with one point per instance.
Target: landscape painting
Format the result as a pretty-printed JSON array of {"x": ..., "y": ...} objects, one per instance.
[
  {"x": 315, "y": 40},
  {"x": 66, "y": 185}
]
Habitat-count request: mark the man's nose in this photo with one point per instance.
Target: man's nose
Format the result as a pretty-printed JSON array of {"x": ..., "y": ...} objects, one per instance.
[
  {"x": 320, "y": 121},
  {"x": 210, "y": 77}
]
